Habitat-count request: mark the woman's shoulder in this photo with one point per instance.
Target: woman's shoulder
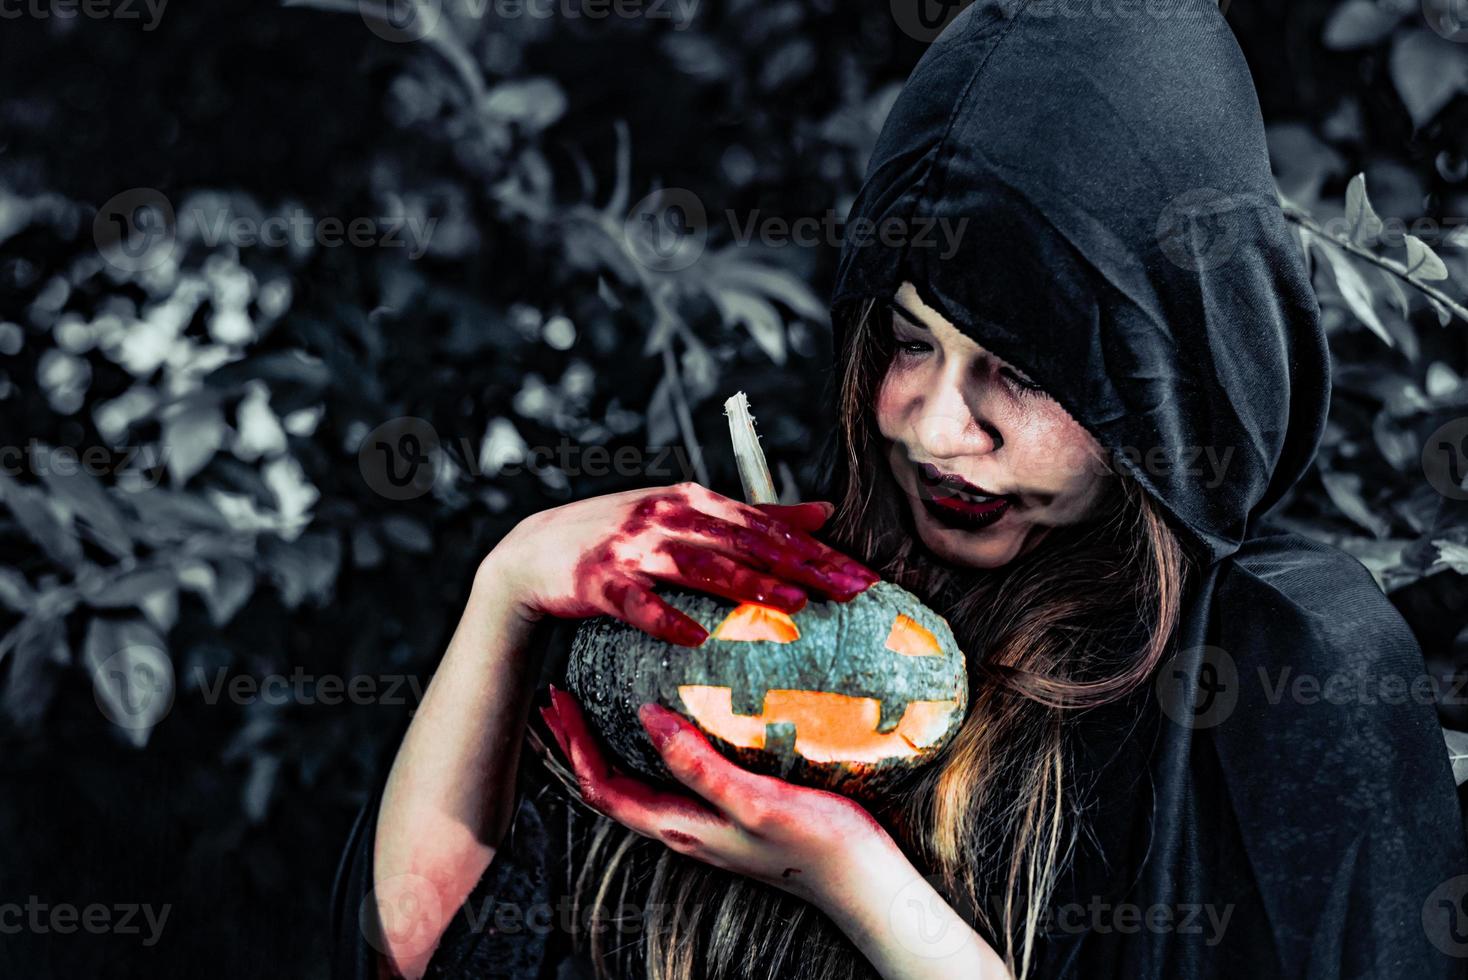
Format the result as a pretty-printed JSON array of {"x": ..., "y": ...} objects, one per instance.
[
  {"x": 1323, "y": 668},
  {"x": 1286, "y": 595}
]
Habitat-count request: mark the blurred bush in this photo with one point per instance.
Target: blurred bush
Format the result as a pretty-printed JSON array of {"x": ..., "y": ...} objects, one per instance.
[{"x": 243, "y": 476}]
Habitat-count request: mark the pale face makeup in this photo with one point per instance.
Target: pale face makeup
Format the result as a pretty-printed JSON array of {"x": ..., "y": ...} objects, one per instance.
[{"x": 988, "y": 461}]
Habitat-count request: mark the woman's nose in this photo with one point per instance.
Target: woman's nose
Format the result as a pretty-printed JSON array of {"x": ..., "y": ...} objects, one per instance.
[{"x": 946, "y": 426}]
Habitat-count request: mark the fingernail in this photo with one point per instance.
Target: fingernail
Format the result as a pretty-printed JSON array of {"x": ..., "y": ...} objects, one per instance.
[
  {"x": 858, "y": 570},
  {"x": 847, "y": 583},
  {"x": 688, "y": 633},
  {"x": 789, "y": 596},
  {"x": 661, "y": 724}
]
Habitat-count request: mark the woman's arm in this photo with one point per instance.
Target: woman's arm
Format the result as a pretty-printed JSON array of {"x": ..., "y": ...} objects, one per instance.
[
  {"x": 816, "y": 845},
  {"x": 447, "y": 801},
  {"x": 906, "y": 930}
]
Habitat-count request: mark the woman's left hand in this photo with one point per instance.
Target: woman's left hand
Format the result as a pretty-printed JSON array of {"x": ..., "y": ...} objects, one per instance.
[
  {"x": 798, "y": 839},
  {"x": 821, "y": 847}
]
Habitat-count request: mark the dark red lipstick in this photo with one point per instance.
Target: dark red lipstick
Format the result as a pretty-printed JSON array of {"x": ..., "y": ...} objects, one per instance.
[{"x": 953, "y": 501}]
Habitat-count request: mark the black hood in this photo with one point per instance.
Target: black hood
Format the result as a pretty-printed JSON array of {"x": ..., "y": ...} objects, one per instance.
[{"x": 1090, "y": 198}]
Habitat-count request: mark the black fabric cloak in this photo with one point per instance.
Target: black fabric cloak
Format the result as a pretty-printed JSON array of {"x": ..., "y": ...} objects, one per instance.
[{"x": 1275, "y": 806}]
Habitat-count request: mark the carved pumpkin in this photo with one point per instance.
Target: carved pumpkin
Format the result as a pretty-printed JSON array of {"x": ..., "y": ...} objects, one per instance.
[{"x": 842, "y": 696}]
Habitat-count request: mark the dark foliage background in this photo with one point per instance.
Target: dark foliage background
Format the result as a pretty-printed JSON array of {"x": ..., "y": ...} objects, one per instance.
[{"x": 233, "y": 533}]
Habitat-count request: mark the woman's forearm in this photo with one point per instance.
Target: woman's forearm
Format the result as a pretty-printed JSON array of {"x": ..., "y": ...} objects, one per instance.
[
  {"x": 447, "y": 802},
  {"x": 904, "y": 927}
]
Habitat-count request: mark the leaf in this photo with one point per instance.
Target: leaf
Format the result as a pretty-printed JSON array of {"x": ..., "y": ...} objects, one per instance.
[
  {"x": 1360, "y": 215},
  {"x": 760, "y": 318},
  {"x": 48, "y": 526},
  {"x": 1428, "y": 71},
  {"x": 192, "y": 432},
  {"x": 303, "y": 568},
  {"x": 1354, "y": 291},
  {"x": 1423, "y": 262},
  {"x": 1451, "y": 555},
  {"x": 533, "y": 103},
  {"x": 1358, "y": 24},
  {"x": 1344, "y": 490},
  {"x": 15, "y": 591},
  {"x": 1457, "y": 754},
  {"x": 407, "y": 534},
  {"x": 83, "y": 494},
  {"x": 130, "y": 588}
]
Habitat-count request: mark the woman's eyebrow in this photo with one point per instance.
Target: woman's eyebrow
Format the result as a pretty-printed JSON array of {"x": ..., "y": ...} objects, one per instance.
[{"x": 906, "y": 314}]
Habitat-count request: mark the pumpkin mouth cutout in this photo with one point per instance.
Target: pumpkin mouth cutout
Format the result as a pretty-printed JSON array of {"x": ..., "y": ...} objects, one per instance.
[{"x": 829, "y": 727}]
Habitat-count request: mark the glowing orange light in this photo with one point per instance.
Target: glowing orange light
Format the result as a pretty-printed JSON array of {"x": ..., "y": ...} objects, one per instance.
[
  {"x": 912, "y": 638},
  {"x": 829, "y": 727},
  {"x": 751, "y": 621}
]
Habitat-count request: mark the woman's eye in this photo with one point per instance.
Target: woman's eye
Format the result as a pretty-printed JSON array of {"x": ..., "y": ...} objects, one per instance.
[
  {"x": 1022, "y": 384},
  {"x": 913, "y": 348}
]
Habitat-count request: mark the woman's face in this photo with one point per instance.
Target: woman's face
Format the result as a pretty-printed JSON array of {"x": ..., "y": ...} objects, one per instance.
[{"x": 988, "y": 461}]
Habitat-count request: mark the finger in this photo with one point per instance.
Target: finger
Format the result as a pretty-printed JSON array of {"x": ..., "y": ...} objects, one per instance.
[
  {"x": 637, "y": 804},
  {"x": 789, "y": 563},
  {"x": 768, "y": 520},
  {"x": 808, "y": 516},
  {"x": 552, "y": 722},
  {"x": 634, "y": 603},
  {"x": 723, "y": 576},
  {"x": 695, "y": 763}
]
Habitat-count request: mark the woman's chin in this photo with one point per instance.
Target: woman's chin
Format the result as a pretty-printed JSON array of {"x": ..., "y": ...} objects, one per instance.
[{"x": 991, "y": 547}]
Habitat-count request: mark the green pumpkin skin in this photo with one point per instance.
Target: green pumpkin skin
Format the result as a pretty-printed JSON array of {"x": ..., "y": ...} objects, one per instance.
[{"x": 614, "y": 668}]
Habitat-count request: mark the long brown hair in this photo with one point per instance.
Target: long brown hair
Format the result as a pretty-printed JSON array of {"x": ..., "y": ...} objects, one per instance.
[{"x": 1080, "y": 620}]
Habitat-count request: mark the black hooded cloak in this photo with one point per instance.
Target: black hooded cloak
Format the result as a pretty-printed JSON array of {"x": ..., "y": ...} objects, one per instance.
[
  {"x": 1273, "y": 806},
  {"x": 1085, "y": 191}
]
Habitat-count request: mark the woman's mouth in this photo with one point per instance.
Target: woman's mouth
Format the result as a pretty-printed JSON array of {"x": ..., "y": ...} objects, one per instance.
[{"x": 953, "y": 501}]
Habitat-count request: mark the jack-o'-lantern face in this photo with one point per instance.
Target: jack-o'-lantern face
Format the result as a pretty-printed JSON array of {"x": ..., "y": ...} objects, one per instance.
[{"x": 830, "y": 696}]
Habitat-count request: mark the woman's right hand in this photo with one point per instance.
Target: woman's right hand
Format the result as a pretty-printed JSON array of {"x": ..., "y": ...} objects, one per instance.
[{"x": 604, "y": 555}]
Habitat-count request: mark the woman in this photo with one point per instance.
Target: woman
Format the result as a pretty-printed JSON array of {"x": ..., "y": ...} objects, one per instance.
[{"x": 1067, "y": 435}]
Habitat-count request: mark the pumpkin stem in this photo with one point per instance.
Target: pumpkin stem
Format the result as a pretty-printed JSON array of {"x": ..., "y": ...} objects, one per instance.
[{"x": 754, "y": 472}]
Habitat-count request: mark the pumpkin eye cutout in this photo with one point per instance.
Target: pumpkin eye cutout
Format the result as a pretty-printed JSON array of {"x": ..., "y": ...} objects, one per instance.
[
  {"x": 910, "y": 637},
  {"x": 751, "y": 621}
]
